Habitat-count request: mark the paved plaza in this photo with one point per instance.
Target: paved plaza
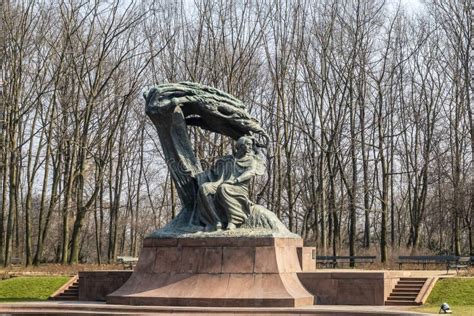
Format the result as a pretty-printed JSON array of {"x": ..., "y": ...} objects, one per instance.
[{"x": 84, "y": 308}]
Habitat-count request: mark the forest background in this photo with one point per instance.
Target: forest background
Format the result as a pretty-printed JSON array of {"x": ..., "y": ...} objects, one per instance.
[{"x": 368, "y": 105}]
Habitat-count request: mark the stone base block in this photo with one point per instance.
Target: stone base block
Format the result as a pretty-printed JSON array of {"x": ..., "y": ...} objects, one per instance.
[
  {"x": 348, "y": 288},
  {"x": 307, "y": 258},
  {"x": 221, "y": 272},
  {"x": 96, "y": 285}
]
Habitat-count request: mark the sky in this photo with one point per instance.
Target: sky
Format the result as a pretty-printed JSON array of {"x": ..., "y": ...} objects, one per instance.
[{"x": 411, "y": 6}]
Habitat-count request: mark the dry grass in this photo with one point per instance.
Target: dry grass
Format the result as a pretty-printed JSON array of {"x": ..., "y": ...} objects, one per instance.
[{"x": 57, "y": 269}]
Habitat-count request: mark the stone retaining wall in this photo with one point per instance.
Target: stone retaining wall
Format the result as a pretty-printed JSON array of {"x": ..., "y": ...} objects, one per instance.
[
  {"x": 330, "y": 288},
  {"x": 348, "y": 288},
  {"x": 96, "y": 285}
]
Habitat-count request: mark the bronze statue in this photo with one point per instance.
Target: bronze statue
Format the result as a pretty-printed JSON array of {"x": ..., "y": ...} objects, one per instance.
[
  {"x": 230, "y": 192},
  {"x": 219, "y": 197}
]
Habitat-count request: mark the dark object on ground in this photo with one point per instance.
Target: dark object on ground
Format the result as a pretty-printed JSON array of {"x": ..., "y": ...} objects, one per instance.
[{"x": 444, "y": 309}]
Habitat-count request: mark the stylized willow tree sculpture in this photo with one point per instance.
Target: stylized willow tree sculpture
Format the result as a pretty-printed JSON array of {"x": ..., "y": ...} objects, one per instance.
[{"x": 172, "y": 107}]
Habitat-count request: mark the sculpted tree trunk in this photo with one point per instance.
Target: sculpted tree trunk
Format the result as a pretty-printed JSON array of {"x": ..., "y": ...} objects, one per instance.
[{"x": 169, "y": 120}]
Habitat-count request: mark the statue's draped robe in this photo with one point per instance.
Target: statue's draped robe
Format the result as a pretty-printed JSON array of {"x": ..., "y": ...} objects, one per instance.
[{"x": 232, "y": 201}]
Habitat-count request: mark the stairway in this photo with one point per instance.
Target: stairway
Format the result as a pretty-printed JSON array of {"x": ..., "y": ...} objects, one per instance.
[
  {"x": 69, "y": 293},
  {"x": 406, "y": 291}
]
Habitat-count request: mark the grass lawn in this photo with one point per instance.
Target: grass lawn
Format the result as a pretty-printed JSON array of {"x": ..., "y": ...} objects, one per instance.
[
  {"x": 30, "y": 288},
  {"x": 457, "y": 292}
]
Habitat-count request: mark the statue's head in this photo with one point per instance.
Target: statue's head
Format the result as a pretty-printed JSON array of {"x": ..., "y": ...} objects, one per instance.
[{"x": 244, "y": 146}]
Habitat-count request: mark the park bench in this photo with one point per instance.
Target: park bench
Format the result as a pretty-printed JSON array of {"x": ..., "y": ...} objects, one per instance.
[
  {"x": 15, "y": 261},
  {"x": 335, "y": 260},
  {"x": 451, "y": 262},
  {"x": 460, "y": 263},
  {"x": 128, "y": 262}
]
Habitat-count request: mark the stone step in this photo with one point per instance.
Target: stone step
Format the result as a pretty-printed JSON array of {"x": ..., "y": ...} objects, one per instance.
[
  {"x": 411, "y": 282},
  {"x": 414, "y": 279},
  {"x": 405, "y": 291},
  {"x": 408, "y": 286},
  {"x": 67, "y": 295},
  {"x": 401, "y": 298},
  {"x": 402, "y": 303},
  {"x": 71, "y": 291},
  {"x": 411, "y": 294},
  {"x": 65, "y": 298}
]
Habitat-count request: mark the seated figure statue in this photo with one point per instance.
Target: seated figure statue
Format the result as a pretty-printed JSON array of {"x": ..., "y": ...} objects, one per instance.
[
  {"x": 225, "y": 199},
  {"x": 218, "y": 197}
]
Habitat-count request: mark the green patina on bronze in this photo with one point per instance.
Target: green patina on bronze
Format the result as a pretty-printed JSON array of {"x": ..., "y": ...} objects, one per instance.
[{"x": 216, "y": 198}]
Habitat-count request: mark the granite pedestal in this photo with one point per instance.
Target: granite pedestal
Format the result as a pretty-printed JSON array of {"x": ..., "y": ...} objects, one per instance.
[{"x": 219, "y": 271}]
